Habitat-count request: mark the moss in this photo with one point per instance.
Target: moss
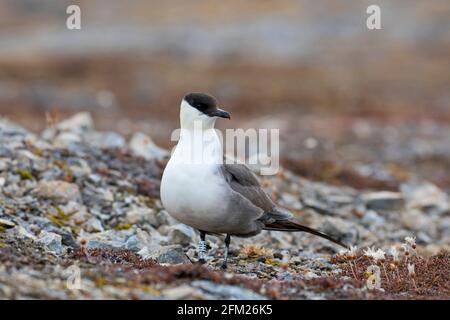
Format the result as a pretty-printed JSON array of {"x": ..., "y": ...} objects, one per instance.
[
  {"x": 60, "y": 218},
  {"x": 38, "y": 152},
  {"x": 151, "y": 290},
  {"x": 272, "y": 262},
  {"x": 149, "y": 202},
  {"x": 25, "y": 174},
  {"x": 60, "y": 164},
  {"x": 100, "y": 281},
  {"x": 55, "y": 220},
  {"x": 123, "y": 226},
  {"x": 61, "y": 213}
]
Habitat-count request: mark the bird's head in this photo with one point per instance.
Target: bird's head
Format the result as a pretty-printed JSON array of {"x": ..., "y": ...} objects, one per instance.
[{"x": 202, "y": 108}]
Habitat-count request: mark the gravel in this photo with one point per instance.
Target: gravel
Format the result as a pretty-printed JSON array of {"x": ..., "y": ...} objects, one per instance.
[{"x": 73, "y": 198}]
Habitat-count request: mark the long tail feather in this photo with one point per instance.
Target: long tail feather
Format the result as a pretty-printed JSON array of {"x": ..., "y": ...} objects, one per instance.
[{"x": 291, "y": 226}]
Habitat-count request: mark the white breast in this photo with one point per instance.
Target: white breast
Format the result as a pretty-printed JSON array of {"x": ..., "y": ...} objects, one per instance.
[{"x": 193, "y": 191}]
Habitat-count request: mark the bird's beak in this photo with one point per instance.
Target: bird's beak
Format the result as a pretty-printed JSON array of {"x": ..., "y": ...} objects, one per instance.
[{"x": 220, "y": 113}]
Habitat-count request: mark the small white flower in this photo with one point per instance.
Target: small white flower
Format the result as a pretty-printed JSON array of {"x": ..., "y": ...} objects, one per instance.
[
  {"x": 374, "y": 254},
  {"x": 144, "y": 253},
  {"x": 352, "y": 252},
  {"x": 370, "y": 252},
  {"x": 349, "y": 253},
  {"x": 395, "y": 254},
  {"x": 379, "y": 255},
  {"x": 411, "y": 241},
  {"x": 411, "y": 270}
]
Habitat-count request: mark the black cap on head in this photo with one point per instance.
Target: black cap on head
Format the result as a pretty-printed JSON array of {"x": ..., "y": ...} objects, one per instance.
[{"x": 205, "y": 104}]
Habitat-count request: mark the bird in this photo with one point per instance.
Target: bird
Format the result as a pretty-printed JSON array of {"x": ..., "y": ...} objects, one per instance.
[{"x": 201, "y": 190}]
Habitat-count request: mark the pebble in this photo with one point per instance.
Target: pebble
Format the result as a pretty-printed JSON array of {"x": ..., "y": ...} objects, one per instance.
[
  {"x": 52, "y": 241},
  {"x": 133, "y": 243},
  {"x": 115, "y": 239},
  {"x": 4, "y": 164},
  {"x": 138, "y": 214},
  {"x": 181, "y": 234},
  {"x": 98, "y": 195},
  {"x": 6, "y": 224},
  {"x": 66, "y": 140},
  {"x": 94, "y": 225},
  {"x": 290, "y": 201},
  {"x": 143, "y": 146},
  {"x": 161, "y": 218},
  {"x": 73, "y": 186},
  {"x": 45, "y": 224},
  {"x": 426, "y": 196},
  {"x": 372, "y": 219},
  {"x": 172, "y": 254},
  {"x": 78, "y": 123},
  {"x": 341, "y": 230},
  {"x": 310, "y": 275},
  {"x": 227, "y": 292},
  {"x": 22, "y": 233},
  {"x": 183, "y": 292},
  {"x": 79, "y": 167},
  {"x": 416, "y": 220},
  {"x": 383, "y": 200},
  {"x": 58, "y": 191},
  {"x": 105, "y": 140}
]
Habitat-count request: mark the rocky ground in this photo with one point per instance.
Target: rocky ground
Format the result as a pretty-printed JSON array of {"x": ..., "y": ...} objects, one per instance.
[{"x": 80, "y": 217}]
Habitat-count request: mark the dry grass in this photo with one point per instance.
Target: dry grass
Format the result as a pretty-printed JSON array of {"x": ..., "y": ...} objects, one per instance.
[
  {"x": 432, "y": 279},
  {"x": 255, "y": 251}
]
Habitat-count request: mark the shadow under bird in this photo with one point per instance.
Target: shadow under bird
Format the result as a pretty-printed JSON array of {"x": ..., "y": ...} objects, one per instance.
[{"x": 200, "y": 189}]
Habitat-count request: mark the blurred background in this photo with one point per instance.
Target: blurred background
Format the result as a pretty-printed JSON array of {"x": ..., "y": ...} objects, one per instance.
[{"x": 355, "y": 107}]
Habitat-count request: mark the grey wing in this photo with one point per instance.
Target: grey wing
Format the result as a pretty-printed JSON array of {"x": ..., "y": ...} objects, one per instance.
[{"x": 243, "y": 181}]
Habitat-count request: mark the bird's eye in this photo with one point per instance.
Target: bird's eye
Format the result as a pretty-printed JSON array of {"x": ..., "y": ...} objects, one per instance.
[{"x": 201, "y": 107}]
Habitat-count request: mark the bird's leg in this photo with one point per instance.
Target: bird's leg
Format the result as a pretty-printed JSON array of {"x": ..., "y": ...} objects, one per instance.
[
  {"x": 227, "y": 248},
  {"x": 202, "y": 248}
]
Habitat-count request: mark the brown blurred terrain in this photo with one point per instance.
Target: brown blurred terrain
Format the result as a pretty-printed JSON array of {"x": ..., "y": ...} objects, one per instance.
[{"x": 355, "y": 107}]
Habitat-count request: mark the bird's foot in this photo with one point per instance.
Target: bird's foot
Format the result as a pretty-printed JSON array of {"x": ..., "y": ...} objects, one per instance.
[{"x": 224, "y": 266}]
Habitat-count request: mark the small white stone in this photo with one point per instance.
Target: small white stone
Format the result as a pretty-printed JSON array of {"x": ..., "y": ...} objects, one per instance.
[
  {"x": 310, "y": 275},
  {"x": 143, "y": 146},
  {"x": 79, "y": 122},
  {"x": 59, "y": 191},
  {"x": 7, "y": 224},
  {"x": 138, "y": 214}
]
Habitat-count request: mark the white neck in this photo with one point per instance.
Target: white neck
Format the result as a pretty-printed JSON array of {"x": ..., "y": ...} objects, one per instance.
[{"x": 199, "y": 142}]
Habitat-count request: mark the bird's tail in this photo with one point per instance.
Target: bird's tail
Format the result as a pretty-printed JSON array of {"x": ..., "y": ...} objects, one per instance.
[{"x": 291, "y": 226}]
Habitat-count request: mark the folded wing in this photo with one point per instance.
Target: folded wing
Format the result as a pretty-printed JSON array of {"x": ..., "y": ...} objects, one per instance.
[{"x": 244, "y": 182}]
